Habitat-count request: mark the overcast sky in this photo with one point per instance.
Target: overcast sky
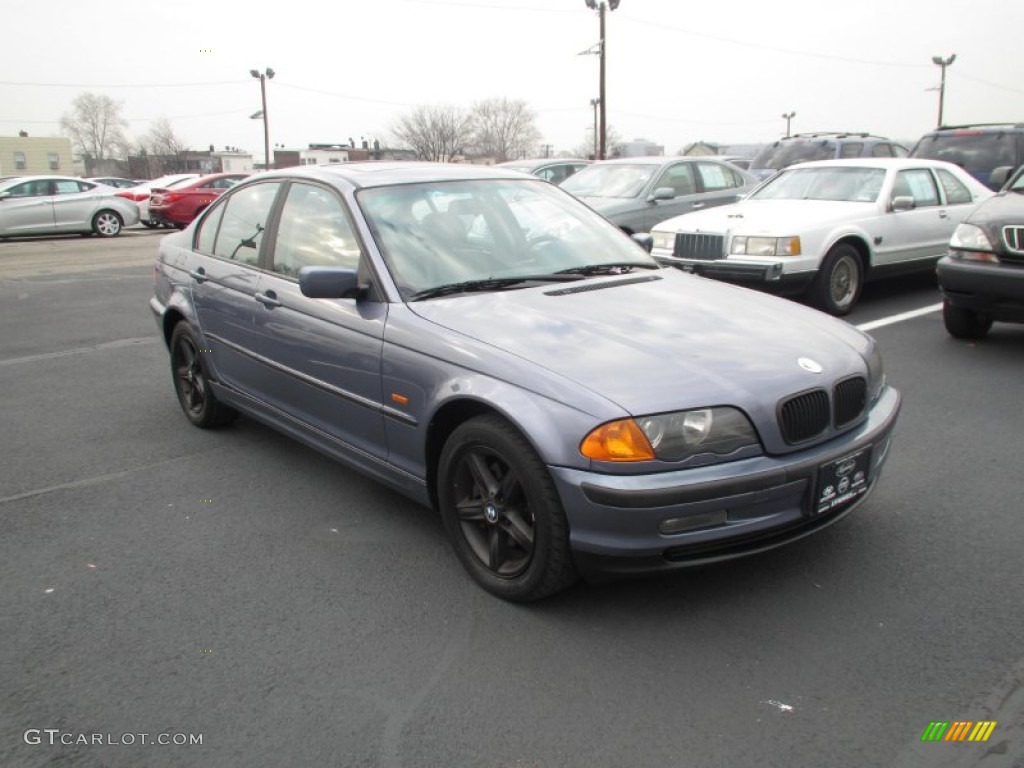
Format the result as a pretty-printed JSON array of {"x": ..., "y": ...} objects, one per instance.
[{"x": 678, "y": 70}]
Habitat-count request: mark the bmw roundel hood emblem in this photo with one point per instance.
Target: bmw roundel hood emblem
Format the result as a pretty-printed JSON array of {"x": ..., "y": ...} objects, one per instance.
[{"x": 812, "y": 366}]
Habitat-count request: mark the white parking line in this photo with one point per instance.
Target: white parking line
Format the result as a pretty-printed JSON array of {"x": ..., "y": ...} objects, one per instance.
[{"x": 900, "y": 317}]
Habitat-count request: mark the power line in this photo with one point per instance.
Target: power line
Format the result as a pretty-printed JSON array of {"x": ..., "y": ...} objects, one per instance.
[{"x": 121, "y": 85}]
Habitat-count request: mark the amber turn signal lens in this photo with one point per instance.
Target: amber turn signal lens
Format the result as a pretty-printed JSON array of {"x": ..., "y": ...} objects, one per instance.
[{"x": 617, "y": 441}]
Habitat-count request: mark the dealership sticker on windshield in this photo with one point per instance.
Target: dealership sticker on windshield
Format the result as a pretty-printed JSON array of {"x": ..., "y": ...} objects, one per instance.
[{"x": 843, "y": 481}]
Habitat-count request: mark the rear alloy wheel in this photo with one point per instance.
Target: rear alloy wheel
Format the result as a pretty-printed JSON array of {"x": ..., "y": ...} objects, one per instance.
[
  {"x": 192, "y": 384},
  {"x": 964, "y": 323},
  {"x": 501, "y": 509},
  {"x": 106, "y": 224},
  {"x": 839, "y": 281}
]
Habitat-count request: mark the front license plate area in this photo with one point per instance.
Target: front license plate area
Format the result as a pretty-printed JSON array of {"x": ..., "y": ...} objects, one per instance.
[{"x": 842, "y": 482}]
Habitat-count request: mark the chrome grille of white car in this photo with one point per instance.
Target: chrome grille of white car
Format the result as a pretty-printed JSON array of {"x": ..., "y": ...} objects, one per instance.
[{"x": 695, "y": 245}]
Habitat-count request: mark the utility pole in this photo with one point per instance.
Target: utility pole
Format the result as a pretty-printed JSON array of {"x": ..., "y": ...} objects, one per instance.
[
  {"x": 601, "y": 6},
  {"x": 594, "y": 103},
  {"x": 943, "y": 63},
  {"x": 263, "y": 77},
  {"x": 787, "y": 116}
]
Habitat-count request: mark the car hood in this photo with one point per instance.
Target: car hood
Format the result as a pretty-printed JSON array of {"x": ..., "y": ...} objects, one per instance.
[
  {"x": 659, "y": 341},
  {"x": 1004, "y": 208},
  {"x": 769, "y": 217}
]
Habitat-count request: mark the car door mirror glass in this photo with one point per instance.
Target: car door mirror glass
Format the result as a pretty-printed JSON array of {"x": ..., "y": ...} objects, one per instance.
[
  {"x": 902, "y": 203},
  {"x": 999, "y": 176},
  {"x": 329, "y": 283},
  {"x": 645, "y": 239}
]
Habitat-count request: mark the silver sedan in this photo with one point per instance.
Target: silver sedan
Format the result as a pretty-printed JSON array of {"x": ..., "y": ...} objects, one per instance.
[{"x": 47, "y": 205}]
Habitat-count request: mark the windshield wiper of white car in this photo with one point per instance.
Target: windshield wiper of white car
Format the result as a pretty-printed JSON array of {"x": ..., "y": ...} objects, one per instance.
[
  {"x": 612, "y": 268},
  {"x": 488, "y": 284}
]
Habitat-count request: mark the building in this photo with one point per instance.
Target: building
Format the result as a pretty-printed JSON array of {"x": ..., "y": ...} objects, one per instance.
[
  {"x": 26, "y": 155},
  {"x": 636, "y": 148},
  {"x": 314, "y": 154}
]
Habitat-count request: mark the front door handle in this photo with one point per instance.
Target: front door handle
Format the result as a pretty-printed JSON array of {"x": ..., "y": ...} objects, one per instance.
[
  {"x": 695, "y": 206},
  {"x": 198, "y": 274},
  {"x": 268, "y": 299},
  {"x": 943, "y": 215}
]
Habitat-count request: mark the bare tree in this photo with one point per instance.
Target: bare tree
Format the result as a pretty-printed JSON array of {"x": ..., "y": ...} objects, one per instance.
[
  {"x": 504, "y": 129},
  {"x": 437, "y": 132},
  {"x": 96, "y": 127},
  {"x": 586, "y": 148},
  {"x": 160, "y": 141}
]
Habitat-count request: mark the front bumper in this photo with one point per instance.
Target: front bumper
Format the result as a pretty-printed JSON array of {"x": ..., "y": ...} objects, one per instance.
[
  {"x": 766, "y": 275},
  {"x": 736, "y": 508},
  {"x": 996, "y": 290}
]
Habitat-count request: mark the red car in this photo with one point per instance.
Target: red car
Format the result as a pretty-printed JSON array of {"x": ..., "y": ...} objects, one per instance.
[{"x": 178, "y": 206}]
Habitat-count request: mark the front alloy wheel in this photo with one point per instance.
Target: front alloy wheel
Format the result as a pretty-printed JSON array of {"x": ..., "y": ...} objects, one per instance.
[
  {"x": 840, "y": 278},
  {"x": 502, "y": 511}
]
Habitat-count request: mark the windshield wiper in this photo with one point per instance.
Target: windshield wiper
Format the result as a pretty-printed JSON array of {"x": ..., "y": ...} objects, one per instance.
[
  {"x": 487, "y": 284},
  {"x": 614, "y": 267}
]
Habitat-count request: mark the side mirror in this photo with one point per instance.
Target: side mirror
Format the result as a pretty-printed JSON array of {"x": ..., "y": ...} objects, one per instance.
[
  {"x": 4, "y": 196},
  {"x": 645, "y": 239},
  {"x": 902, "y": 203},
  {"x": 329, "y": 283},
  {"x": 999, "y": 176},
  {"x": 661, "y": 193}
]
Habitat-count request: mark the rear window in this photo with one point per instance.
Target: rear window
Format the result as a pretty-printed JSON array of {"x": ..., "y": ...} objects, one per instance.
[
  {"x": 971, "y": 150},
  {"x": 784, "y": 154}
]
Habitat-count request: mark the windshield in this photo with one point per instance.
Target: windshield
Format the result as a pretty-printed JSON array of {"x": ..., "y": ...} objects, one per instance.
[
  {"x": 1017, "y": 182},
  {"x": 617, "y": 180},
  {"x": 973, "y": 150},
  {"x": 786, "y": 153},
  {"x": 855, "y": 185},
  {"x": 444, "y": 233}
]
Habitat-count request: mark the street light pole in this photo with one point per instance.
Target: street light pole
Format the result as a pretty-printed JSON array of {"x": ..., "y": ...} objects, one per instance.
[
  {"x": 601, "y": 6},
  {"x": 263, "y": 77},
  {"x": 943, "y": 63},
  {"x": 594, "y": 103},
  {"x": 787, "y": 116}
]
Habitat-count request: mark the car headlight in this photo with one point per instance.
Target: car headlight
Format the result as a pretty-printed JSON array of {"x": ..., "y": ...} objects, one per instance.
[
  {"x": 664, "y": 240},
  {"x": 876, "y": 375},
  {"x": 742, "y": 245},
  {"x": 972, "y": 244},
  {"x": 671, "y": 436}
]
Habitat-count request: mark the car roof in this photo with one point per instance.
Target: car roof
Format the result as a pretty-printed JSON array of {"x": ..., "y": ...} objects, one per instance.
[
  {"x": 48, "y": 177},
  {"x": 657, "y": 159},
  {"x": 540, "y": 162},
  {"x": 373, "y": 173},
  {"x": 898, "y": 163}
]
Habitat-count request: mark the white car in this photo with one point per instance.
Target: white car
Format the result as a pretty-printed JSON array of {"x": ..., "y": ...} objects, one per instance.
[
  {"x": 140, "y": 194},
  {"x": 821, "y": 229},
  {"x": 50, "y": 205}
]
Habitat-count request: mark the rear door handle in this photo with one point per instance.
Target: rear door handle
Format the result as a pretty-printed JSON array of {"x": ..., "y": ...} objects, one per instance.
[
  {"x": 943, "y": 215},
  {"x": 268, "y": 299},
  {"x": 198, "y": 274},
  {"x": 695, "y": 206}
]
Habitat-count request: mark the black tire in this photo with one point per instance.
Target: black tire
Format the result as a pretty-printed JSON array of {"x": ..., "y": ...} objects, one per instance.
[
  {"x": 107, "y": 223},
  {"x": 192, "y": 382},
  {"x": 840, "y": 279},
  {"x": 500, "y": 507},
  {"x": 150, "y": 224},
  {"x": 964, "y": 323}
]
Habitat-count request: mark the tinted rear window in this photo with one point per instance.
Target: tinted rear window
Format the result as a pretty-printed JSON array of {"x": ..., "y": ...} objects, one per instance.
[
  {"x": 787, "y": 153},
  {"x": 973, "y": 151}
]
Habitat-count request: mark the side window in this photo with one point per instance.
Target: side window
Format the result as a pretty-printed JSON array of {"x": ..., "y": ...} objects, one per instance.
[
  {"x": 851, "y": 149},
  {"x": 679, "y": 178},
  {"x": 208, "y": 230},
  {"x": 716, "y": 177},
  {"x": 243, "y": 223},
  {"x": 38, "y": 188},
  {"x": 956, "y": 192},
  {"x": 881, "y": 150},
  {"x": 918, "y": 184},
  {"x": 67, "y": 188},
  {"x": 313, "y": 231},
  {"x": 900, "y": 151},
  {"x": 552, "y": 174}
]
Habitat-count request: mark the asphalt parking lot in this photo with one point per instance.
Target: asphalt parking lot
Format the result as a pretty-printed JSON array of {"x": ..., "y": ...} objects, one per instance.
[{"x": 162, "y": 580}]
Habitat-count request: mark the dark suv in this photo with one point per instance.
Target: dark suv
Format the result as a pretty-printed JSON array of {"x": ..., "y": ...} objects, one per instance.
[
  {"x": 978, "y": 149},
  {"x": 982, "y": 278},
  {"x": 804, "y": 147}
]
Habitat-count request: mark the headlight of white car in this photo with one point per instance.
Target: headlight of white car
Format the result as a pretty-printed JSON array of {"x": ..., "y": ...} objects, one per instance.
[
  {"x": 664, "y": 240},
  {"x": 742, "y": 245}
]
